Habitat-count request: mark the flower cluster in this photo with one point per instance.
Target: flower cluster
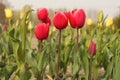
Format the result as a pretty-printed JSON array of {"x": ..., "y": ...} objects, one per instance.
[
  {"x": 76, "y": 18},
  {"x": 42, "y": 29}
]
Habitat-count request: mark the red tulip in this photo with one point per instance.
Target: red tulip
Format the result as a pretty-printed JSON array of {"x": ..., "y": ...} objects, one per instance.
[
  {"x": 47, "y": 21},
  {"x": 41, "y": 31},
  {"x": 42, "y": 13},
  {"x": 80, "y": 18},
  {"x": 5, "y": 26},
  {"x": 60, "y": 20},
  {"x": 77, "y": 18},
  {"x": 92, "y": 48},
  {"x": 72, "y": 20}
]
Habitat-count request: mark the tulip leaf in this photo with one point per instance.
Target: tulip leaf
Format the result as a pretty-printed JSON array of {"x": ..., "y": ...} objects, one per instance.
[
  {"x": 24, "y": 72},
  {"x": 116, "y": 70},
  {"x": 23, "y": 31},
  {"x": 108, "y": 70}
]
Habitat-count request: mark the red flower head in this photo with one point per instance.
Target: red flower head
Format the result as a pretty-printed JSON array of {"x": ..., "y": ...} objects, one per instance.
[
  {"x": 67, "y": 14},
  {"x": 92, "y": 48},
  {"x": 77, "y": 18},
  {"x": 41, "y": 31},
  {"x": 47, "y": 21},
  {"x": 60, "y": 20},
  {"x": 80, "y": 18},
  {"x": 42, "y": 13},
  {"x": 5, "y": 26},
  {"x": 72, "y": 20}
]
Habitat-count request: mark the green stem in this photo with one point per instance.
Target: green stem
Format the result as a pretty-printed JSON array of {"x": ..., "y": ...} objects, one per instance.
[
  {"x": 59, "y": 44},
  {"x": 41, "y": 46},
  {"x": 77, "y": 38},
  {"x": 90, "y": 68}
]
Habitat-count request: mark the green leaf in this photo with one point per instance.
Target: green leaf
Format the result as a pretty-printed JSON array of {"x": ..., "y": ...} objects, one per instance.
[
  {"x": 23, "y": 31},
  {"x": 24, "y": 73},
  {"x": 116, "y": 70},
  {"x": 9, "y": 70},
  {"x": 108, "y": 70}
]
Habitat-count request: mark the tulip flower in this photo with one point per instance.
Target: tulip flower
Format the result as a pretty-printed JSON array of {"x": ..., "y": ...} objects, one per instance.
[
  {"x": 8, "y": 13},
  {"x": 72, "y": 20},
  {"x": 92, "y": 48},
  {"x": 77, "y": 20},
  {"x": 92, "y": 52},
  {"x": 80, "y": 18},
  {"x": 41, "y": 31},
  {"x": 42, "y": 13},
  {"x": 89, "y": 22},
  {"x": 60, "y": 20},
  {"x": 109, "y": 22}
]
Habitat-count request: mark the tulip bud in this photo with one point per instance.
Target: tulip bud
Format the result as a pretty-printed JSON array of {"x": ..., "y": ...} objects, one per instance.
[
  {"x": 89, "y": 22},
  {"x": 109, "y": 22},
  {"x": 30, "y": 26},
  {"x": 41, "y": 31},
  {"x": 92, "y": 48},
  {"x": 42, "y": 13},
  {"x": 60, "y": 20},
  {"x": 5, "y": 26},
  {"x": 100, "y": 16},
  {"x": 8, "y": 13}
]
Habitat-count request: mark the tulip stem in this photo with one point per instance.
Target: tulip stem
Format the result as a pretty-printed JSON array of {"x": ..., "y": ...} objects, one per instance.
[
  {"x": 90, "y": 68},
  {"x": 41, "y": 46},
  {"x": 77, "y": 39},
  {"x": 9, "y": 22},
  {"x": 59, "y": 44}
]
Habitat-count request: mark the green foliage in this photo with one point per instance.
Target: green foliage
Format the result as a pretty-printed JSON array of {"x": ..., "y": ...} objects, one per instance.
[{"x": 20, "y": 60}]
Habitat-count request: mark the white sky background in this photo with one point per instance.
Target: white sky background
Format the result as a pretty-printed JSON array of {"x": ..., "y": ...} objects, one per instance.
[{"x": 109, "y": 7}]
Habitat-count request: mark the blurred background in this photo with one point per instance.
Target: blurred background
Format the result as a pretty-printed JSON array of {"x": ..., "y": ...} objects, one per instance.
[{"x": 111, "y": 8}]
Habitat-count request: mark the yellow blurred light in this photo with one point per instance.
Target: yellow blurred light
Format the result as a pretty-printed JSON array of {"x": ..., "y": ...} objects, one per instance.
[
  {"x": 8, "y": 13},
  {"x": 89, "y": 21},
  {"x": 109, "y": 22}
]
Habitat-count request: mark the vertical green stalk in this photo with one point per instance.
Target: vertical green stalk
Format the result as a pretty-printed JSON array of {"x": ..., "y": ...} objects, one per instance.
[
  {"x": 40, "y": 46},
  {"x": 40, "y": 74},
  {"x": 90, "y": 68},
  {"x": 59, "y": 44},
  {"x": 77, "y": 38},
  {"x": 10, "y": 24}
]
